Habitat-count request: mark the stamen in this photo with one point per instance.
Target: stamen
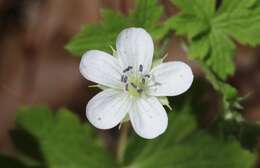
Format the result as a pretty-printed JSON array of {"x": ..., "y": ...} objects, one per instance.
[
  {"x": 122, "y": 78},
  {"x": 126, "y": 87},
  {"x": 143, "y": 80},
  {"x": 125, "y": 79},
  {"x": 139, "y": 90},
  {"x": 147, "y": 76},
  {"x": 130, "y": 67},
  {"x": 127, "y": 69},
  {"x": 141, "y": 68},
  {"x": 133, "y": 85}
]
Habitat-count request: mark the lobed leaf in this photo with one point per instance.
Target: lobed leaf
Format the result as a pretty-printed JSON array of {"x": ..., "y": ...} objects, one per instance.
[
  {"x": 184, "y": 146},
  {"x": 210, "y": 30},
  {"x": 146, "y": 14},
  {"x": 63, "y": 140}
]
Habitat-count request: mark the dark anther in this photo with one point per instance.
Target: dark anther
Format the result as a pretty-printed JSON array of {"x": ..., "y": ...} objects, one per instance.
[
  {"x": 133, "y": 85},
  {"x": 143, "y": 80},
  {"x": 125, "y": 79},
  {"x": 147, "y": 76},
  {"x": 126, "y": 87},
  {"x": 139, "y": 90},
  {"x": 141, "y": 68},
  {"x": 127, "y": 69},
  {"x": 122, "y": 78}
]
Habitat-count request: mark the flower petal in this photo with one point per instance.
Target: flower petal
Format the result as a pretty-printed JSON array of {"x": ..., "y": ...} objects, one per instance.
[
  {"x": 100, "y": 67},
  {"x": 134, "y": 48},
  {"x": 172, "y": 78},
  {"x": 108, "y": 108},
  {"x": 149, "y": 119}
]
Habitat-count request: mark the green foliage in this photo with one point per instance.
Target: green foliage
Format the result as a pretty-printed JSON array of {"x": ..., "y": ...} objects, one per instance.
[
  {"x": 184, "y": 146},
  {"x": 146, "y": 14},
  {"x": 209, "y": 30},
  {"x": 66, "y": 143},
  {"x": 100, "y": 36},
  {"x": 55, "y": 140},
  {"x": 63, "y": 140}
]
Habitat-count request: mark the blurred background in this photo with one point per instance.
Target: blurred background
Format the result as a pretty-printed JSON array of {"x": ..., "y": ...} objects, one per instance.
[{"x": 36, "y": 69}]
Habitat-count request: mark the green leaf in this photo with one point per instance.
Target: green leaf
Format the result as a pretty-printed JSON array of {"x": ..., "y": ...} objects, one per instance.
[
  {"x": 146, "y": 14},
  {"x": 194, "y": 27},
  {"x": 210, "y": 33},
  {"x": 209, "y": 30},
  {"x": 202, "y": 8},
  {"x": 240, "y": 20},
  {"x": 63, "y": 140},
  {"x": 67, "y": 143},
  {"x": 99, "y": 36},
  {"x": 184, "y": 146}
]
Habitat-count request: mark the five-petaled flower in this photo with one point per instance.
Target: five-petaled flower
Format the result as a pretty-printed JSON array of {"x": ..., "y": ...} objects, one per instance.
[{"x": 132, "y": 85}]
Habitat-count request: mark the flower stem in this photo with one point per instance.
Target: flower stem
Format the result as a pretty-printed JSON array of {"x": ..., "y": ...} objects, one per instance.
[{"x": 122, "y": 142}]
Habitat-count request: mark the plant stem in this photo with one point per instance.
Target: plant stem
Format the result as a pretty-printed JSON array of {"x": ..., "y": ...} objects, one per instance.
[{"x": 122, "y": 142}]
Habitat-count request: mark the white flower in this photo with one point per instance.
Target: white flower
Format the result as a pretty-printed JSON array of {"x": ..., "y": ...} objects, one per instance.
[{"x": 132, "y": 87}]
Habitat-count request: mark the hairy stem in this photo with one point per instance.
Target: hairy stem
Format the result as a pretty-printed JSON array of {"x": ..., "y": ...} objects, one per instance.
[{"x": 122, "y": 142}]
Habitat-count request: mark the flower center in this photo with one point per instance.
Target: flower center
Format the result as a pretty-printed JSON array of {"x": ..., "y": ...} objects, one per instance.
[{"x": 135, "y": 81}]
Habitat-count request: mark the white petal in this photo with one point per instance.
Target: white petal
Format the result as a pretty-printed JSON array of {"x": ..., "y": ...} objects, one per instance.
[
  {"x": 148, "y": 117},
  {"x": 108, "y": 108},
  {"x": 135, "y": 47},
  {"x": 100, "y": 67},
  {"x": 173, "y": 78}
]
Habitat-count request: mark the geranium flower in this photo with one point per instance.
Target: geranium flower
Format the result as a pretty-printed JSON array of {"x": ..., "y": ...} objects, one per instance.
[{"x": 131, "y": 86}]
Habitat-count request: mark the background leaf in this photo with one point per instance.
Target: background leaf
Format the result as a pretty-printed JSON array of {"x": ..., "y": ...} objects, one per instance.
[
  {"x": 209, "y": 30},
  {"x": 64, "y": 141},
  {"x": 102, "y": 36},
  {"x": 184, "y": 146}
]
